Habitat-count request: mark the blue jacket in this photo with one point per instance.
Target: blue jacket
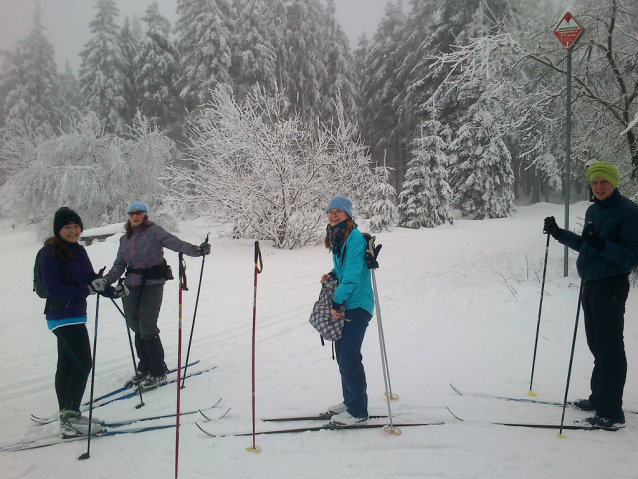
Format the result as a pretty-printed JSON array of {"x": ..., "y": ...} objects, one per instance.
[
  {"x": 78, "y": 272},
  {"x": 616, "y": 220},
  {"x": 351, "y": 269}
]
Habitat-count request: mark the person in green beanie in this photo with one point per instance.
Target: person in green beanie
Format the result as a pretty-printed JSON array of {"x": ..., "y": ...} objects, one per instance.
[{"x": 607, "y": 251}]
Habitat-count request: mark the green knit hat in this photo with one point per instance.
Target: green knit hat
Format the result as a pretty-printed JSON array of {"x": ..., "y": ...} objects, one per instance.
[{"x": 602, "y": 169}]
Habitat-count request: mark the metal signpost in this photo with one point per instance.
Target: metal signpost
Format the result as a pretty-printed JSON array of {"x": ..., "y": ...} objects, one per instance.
[{"x": 567, "y": 31}]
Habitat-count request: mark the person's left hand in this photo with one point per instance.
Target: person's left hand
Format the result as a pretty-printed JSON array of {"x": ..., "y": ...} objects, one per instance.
[
  {"x": 590, "y": 237},
  {"x": 336, "y": 314},
  {"x": 204, "y": 249}
]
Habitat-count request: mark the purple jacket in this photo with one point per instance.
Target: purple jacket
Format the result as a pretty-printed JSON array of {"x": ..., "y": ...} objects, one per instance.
[
  {"x": 145, "y": 248},
  {"x": 79, "y": 272}
]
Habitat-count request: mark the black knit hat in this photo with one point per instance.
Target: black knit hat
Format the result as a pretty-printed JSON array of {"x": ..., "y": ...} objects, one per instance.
[{"x": 65, "y": 216}]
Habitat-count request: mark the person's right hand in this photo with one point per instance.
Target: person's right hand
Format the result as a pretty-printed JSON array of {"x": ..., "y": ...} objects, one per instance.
[
  {"x": 324, "y": 277},
  {"x": 550, "y": 227},
  {"x": 99, "y": 284}
]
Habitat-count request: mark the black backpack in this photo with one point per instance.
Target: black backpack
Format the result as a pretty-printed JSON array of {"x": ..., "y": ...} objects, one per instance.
[{"x": 38, "y": 284}]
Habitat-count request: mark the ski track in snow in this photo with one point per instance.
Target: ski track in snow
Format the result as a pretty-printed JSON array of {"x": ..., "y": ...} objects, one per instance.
[{"x": 459, "y": 305}]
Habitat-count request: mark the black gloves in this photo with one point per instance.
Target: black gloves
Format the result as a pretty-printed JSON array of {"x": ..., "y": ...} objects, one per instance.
[
  {"x": 550, "y": 227},
  {"x": 203, "y": 249},
  {"x": 590, "y": 237}
]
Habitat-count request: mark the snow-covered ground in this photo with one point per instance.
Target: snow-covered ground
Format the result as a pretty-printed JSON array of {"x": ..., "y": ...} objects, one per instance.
[{"x": 459, "y": 305}]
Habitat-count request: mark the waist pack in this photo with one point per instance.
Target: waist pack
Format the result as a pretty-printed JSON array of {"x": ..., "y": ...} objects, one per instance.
[
  {"x": 321, "y": 319},
  {"x": 159, "y": 271}
]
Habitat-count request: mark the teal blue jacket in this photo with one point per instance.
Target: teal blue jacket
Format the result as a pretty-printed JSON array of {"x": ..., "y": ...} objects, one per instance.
[{"x": 350, "y": 268}]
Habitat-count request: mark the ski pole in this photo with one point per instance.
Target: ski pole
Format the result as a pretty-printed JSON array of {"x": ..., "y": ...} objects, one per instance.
[
  {"x": 130, "y": 342},
  {"x": 372, "y": 252},
  {"x": 190, "y": 340},
  {"x": 538, "y": 324},
  {"x": 258, "y": 269},
  {"x": 571, "y": 357},
  {"x": 182, "y": 287},
  {"x": 87, "y": 454}
]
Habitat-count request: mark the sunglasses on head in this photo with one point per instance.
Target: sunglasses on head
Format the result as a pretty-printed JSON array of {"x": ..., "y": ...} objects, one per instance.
[{"x": 135, "y": 213}]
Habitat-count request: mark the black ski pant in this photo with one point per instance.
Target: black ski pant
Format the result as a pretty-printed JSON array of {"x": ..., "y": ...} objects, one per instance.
[
  {"x": 74, "y": 365},
  {"x": 142, "y": 308},
  {"x": 604, "y": 312}
]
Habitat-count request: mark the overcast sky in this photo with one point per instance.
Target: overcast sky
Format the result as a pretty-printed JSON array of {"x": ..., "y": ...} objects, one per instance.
[{"x": 67, "y": 21}]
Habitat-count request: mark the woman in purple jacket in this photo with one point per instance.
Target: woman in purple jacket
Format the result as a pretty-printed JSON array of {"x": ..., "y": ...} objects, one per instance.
[
  {"x": 141, "y": 256},
  {"x": 67, "y": 274}
]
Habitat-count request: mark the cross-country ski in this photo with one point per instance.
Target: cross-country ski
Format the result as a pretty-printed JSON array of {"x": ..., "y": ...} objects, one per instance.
[
  {"x": 324, "y": 427},
  {"x": 518, "y": 399},
  {"x": 571, "y": 427}
]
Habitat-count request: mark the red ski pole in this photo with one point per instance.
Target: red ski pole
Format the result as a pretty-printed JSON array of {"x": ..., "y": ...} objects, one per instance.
[
  {"x": 258, "y": 269},
  {"x": 182, "y": 287}
]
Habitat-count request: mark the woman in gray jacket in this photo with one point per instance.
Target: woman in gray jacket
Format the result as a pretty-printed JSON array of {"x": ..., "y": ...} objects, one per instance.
[{"x": 141, "y": 257}]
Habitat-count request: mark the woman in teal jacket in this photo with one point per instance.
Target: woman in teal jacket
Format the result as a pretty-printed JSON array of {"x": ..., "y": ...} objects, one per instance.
[{"x": 354, "y": 292}]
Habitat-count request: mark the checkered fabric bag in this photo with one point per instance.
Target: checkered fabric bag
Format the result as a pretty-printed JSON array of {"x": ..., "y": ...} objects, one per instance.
[{"x": 321, "y": 319}]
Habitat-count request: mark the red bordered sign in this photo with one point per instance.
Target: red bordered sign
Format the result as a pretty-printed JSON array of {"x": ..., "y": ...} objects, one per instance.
[{"x": 568, "y": 30}]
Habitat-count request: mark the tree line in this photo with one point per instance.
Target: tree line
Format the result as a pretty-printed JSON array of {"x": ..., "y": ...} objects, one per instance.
[{"x": 459, "y": 105}]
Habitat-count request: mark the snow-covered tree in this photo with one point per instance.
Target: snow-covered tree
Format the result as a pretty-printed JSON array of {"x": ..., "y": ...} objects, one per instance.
[
  {"x": 204, "y": 39},
  {"x": 70, "y": 98},
  {"x": 482, "y": 176},
  {"x": 426, "y": 197},
  {"x": 340, "y": 80},
  {"x": 130, "y": 47},
  {"x": 379, "y": 88},
  {"x": 103, "y": 80},
  {"x": 158, "y": 70},
  {"x": 265, "y": 173},
  {"x": 98, "y": 174},
  {"x": 258, "y": 45},
  {"x": 30, "y": 83},
  {"x": 383, "y": 212},
  {"x": 306, "y": 68}
]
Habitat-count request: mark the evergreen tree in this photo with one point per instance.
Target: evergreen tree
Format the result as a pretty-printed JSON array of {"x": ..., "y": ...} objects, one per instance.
[
  {"x": 257, "y": 45},
  {"x": 158, "y": 70},
  {"x": 70, "y": 97},
  {"x": 384, "y": 214},
  {"x": 307, "y": 71},
  {"x": 379, "y": 89},
  {"x": 136, "y": 29},
  {"x": 482, "y": 176},
  {"x": 30, "y": 83},
  {"x": 103, "y": 70},
  {"x": 204, "y": 36},
  {"x": 340, "y": 84},
  {"x": 426, "y": 197},
  {"x": 130, "y": 47}
]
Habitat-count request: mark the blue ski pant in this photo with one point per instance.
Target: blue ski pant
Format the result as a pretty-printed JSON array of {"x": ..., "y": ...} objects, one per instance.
[{"x": 348, "y": 351}]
